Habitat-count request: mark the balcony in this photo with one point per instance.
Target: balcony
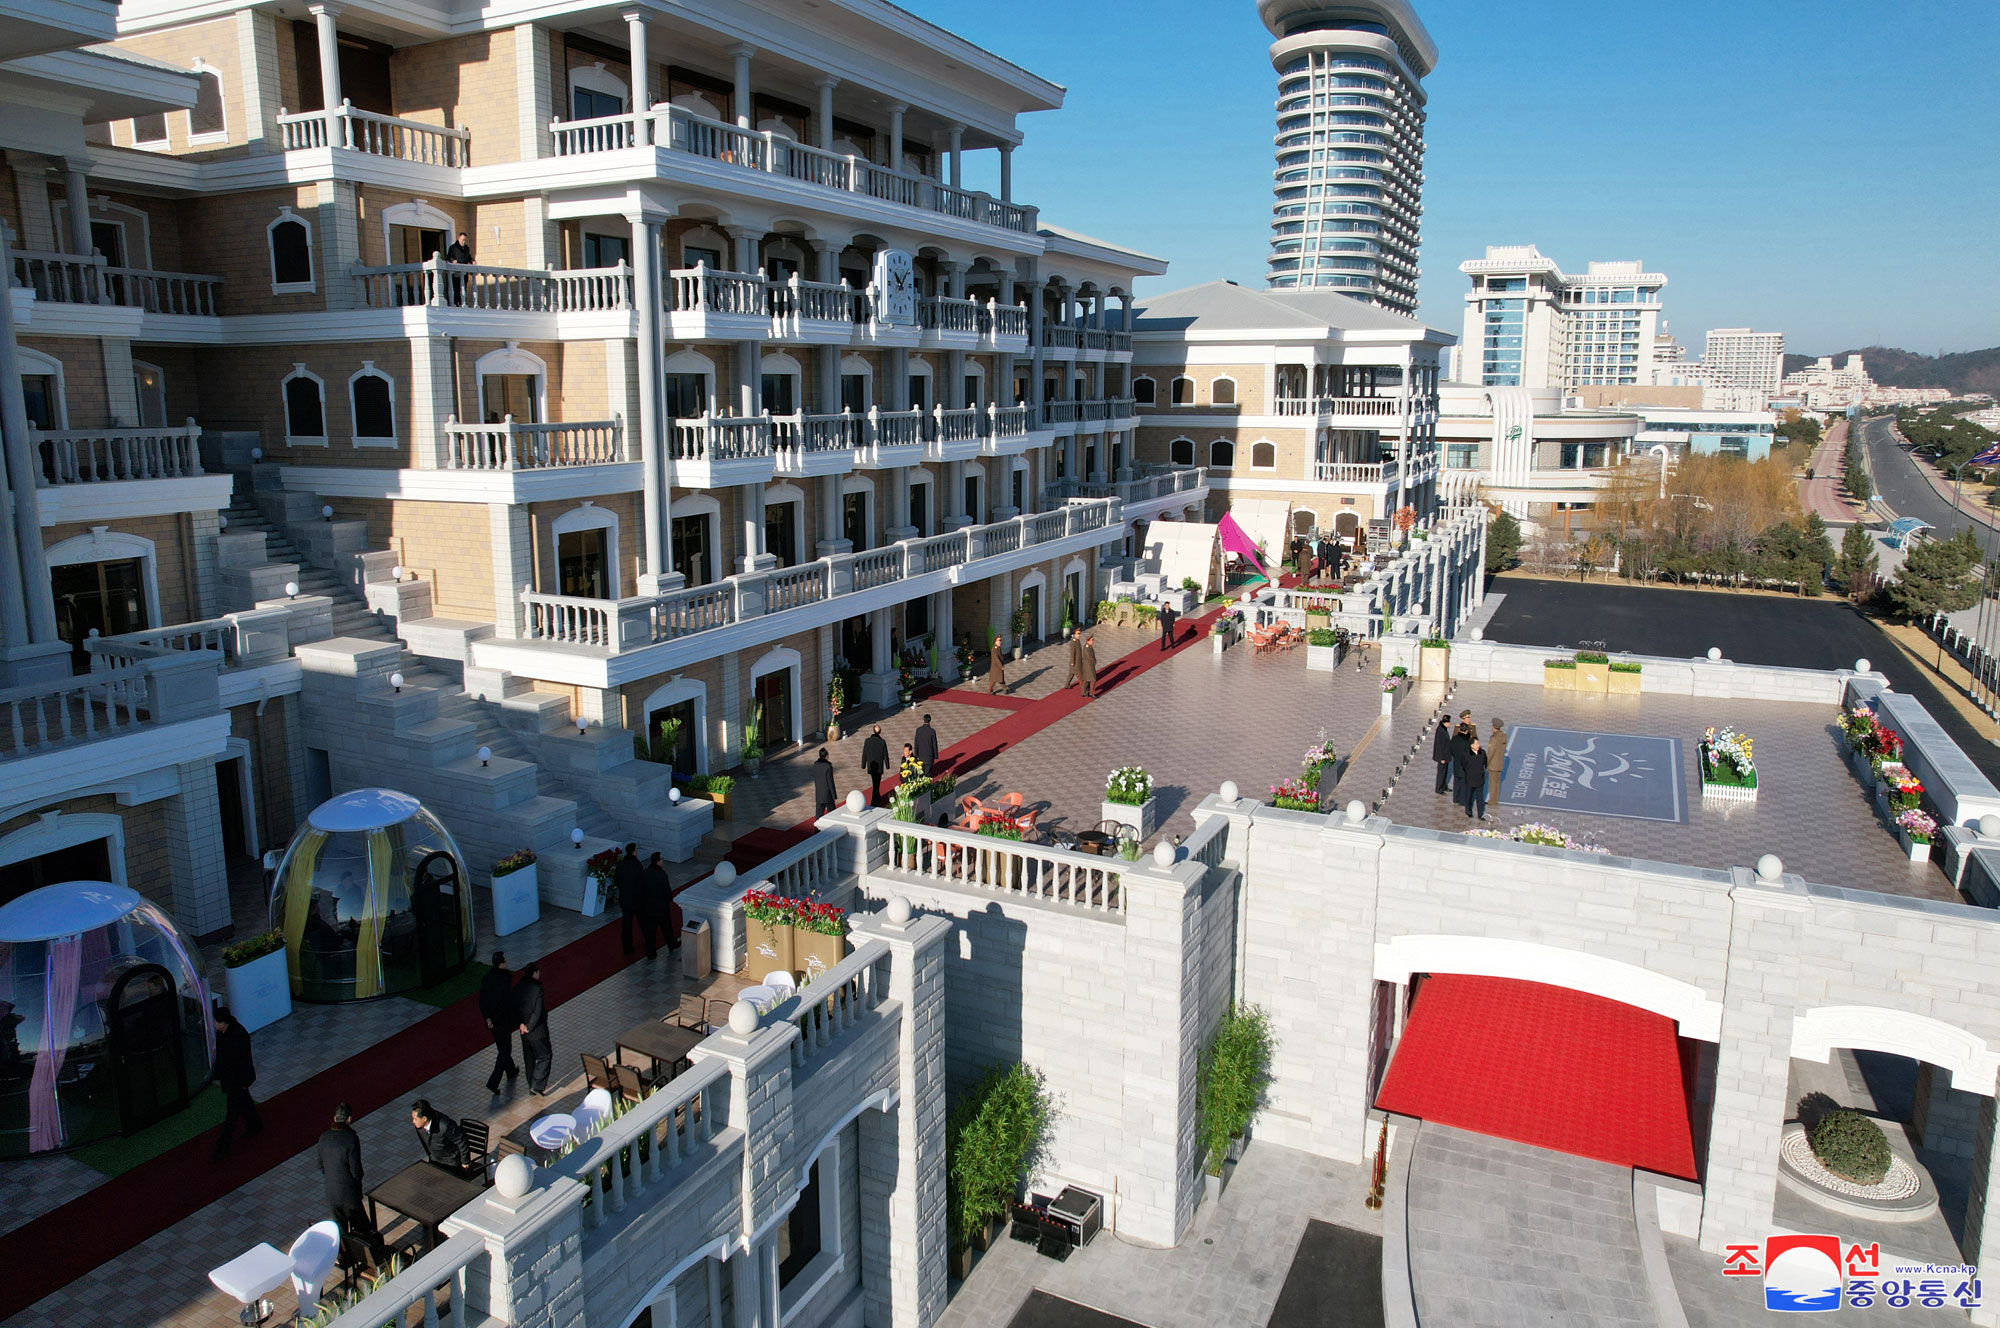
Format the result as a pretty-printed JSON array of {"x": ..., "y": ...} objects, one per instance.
[
  {"x": 355, "y": 130},
  {"x": 1141, "y": 497},
  {"x": 705, "y": 303},
  {"x": 818, "y": 444},
  {"x": 948, "y": 323},
  {"x": 108, "y": 456},
  {"x": 1354, "y": 472},
  {"x": 513, "y": 445},
  {"x": 441, "y": 285},
  {"x": 712, "y": 451},
  {"x": 672, "y": 129},
  {"x": 1383, "y": 409},
  {"x": 71, "y": 279}
]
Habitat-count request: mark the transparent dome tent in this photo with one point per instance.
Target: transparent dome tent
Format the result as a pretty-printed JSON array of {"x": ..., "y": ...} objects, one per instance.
[
  {"x": 104, "y": 1022},
  {"x": 373, "y": 899}
]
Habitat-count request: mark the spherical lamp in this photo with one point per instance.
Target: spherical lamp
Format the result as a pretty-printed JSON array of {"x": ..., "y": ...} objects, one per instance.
[
  {"x": 485, "y": 755},
  {"x": 291, "y": 590},
  {"x": 1479, "y": 633},
  {"x": 256, "y": 454},
  {"x": 326, "y": 511},
  {"x": 724, "y": 874},
  {"x": 576, "y": 838},
  {"x": 674, "y": 796},
  {"x": 1770, "y": 867},
  {"x": 396, "y": 681},
  {"x": 1989, "y": 826},
  {"x": 1164, "y": 853},
  {"x": 1715, "y": 652}
]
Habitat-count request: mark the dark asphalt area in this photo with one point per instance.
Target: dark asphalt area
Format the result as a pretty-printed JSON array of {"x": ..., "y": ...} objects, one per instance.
[
  {"x": 1335, "y": 1280},
  {"x": 1824, "y": 633}
]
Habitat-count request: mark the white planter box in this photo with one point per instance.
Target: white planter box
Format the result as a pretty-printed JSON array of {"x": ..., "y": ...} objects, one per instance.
[
  {"x": 1322, "y": 659},
  {"x": 1388, "y": 703},
  {"x": 517, "y": 900},
  {"x": 1918, "y": 852},
  {"x": 260, "y": 992},
  {"x": 1142, "y": 818},
  {"x": 1729, "y": 792}
]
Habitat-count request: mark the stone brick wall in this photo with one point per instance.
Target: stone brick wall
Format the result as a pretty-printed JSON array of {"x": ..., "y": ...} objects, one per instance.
[
  {"x": 228, "y": 236},
  {"x": 216, "y": 45},
  {"x": 246, "y": 384},
  {"x": 447, "y": 544},
  {"x": 464, "y": 81},
  {"x": 146, "y": 867},
  {"x": 86, "y": 395}
]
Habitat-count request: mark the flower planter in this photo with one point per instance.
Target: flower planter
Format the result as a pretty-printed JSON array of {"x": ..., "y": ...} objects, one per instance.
[
  {"x": 767, "y": 949},
  {"x": 1433, "y": 663},
  {"x": 1388, "y": 702},
  {"x": 1918, "y": 849},
  {"x": 1593, "y": 677},
  {"x": 1882, "y": 806},
  {"x": 815, "y": 953},
  {"x": 1863, "y": 768},
  {"x": 1558, "y": 679},
  {"x": 517, "y": 900},
  {"x": 260, "y": 992},
  {"x": 1221, "y": 641},
  {"x": 723, "y": 803},
  {"x": 1728, "y": 792},
  {"x": 1623, "y": 682},
  {"x": 1322, "y": 659},
  {"x": 751, "y": 765},
  {"x": 1142, "y": 818}
]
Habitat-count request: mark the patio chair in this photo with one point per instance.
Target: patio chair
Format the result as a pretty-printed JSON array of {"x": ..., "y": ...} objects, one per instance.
[
  {"x": 694, "y": 1007},
  {"x": 597, "y": 1073},
  {"x": 632, "y": 1086},
  {"x": 478, "y": 1135},
  {"x": 781, "y": 981},
  {"x": 313, "y": 1256},
  {"x": 1009, "y": 802},
  {"x": 596, "y": 1110}
]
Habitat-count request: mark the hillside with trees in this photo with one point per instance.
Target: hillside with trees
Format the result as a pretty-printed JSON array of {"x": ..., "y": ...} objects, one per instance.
[{"x": 1961, "y": 372}]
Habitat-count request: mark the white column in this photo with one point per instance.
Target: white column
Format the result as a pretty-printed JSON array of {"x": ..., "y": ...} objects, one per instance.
[
  {"x": 941, "y": 626},
  {"x": 896, "y": 110},
  {"x": 513, "y": 567},
  {"x": 78, "y": 197},
  {"x": 750, "y": 518},
  {"x": 652, "y": 449},
  {"x": 956, "y": 134},
  {"x": 826, "y": 87},
  {"x": 324, "y": 17},
  {"x": 742, "y": 52},
  {"x": 832, "y": 535},
  {"x": 1006, "y": 172},
  {"x": 642, "y": 68},
  {"x": 27, "y": 607}
]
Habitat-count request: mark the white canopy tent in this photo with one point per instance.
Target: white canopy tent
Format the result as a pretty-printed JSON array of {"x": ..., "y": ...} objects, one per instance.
[
  {"x": 1184, "y": 550},
  {"x": 1268, "y": 521}
]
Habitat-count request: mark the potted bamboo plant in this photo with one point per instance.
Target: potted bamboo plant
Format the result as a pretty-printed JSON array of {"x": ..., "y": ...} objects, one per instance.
[
  {"x": 994, "y": 1136},
  {"x": 1017, "y": 624},
  {"x": 1229, "y": 1080}
]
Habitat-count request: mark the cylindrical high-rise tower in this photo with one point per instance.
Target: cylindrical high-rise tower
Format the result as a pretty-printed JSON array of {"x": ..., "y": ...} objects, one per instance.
[{"x": 1347, "y": 194}]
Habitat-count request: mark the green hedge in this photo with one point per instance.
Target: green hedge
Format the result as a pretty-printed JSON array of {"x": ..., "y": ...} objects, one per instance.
[
  {"x": 1851, "y": 1146},
  {"x": 1625, "y": 666},
  {"x": 1322, "y": 636},
  {"x": 1230, "y": 1079}
]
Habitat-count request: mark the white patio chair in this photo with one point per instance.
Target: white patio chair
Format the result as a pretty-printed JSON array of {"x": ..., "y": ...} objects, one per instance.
[
  {"x": 596, "y": 1110},
  {"x": 782, "y": 982},
  {"x": 313, "y": 1256}
]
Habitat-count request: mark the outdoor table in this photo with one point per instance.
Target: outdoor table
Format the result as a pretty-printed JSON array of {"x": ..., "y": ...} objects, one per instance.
[
  {"x": 760, "y": 997},
  {"x": 661, "y": 1043},
  {"x": 425, "y": 1193},
  {"x": 552, "y": 1131},
  {"x": 521, "y": 1137},
  {"x": 1094, "y": 841},
  {"x": 251, "y": 1276}
]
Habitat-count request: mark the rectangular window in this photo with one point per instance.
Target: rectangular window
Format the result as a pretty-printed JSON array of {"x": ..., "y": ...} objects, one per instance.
[
  {"x": 854, "y": 393},
  {"x": 687, "y": 396},
  {"x": 516, "y": 395},
  {"x": 854, "y": 520},
  {"x": 799, "y": 1236},
  {"x": 693, "y": 558},
  {"x": 695, "y": 256},
  {"x": 205, "y": 120},
  {"x": 606, "y": 250},
  {"x": 778, "y": 394},
  {"x": 150, "y": 130}
]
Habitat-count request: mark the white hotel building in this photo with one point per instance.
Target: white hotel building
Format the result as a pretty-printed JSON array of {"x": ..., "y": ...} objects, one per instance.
[
  {"x": 1741, "y": 358},
  {"x": 1530, "y": 324}
]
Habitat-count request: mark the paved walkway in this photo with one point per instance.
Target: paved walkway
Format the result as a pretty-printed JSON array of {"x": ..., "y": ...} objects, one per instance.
[
  {"x": 1826, "y": 493},
  {"x": 1503, "y": 1235}
]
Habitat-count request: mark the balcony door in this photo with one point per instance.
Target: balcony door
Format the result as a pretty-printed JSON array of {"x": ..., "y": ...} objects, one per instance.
[
  {"x": 682, "y": 757},
  {"x": 854, "y": 393},
  {"x": 694, "y": 556},
  {"x": 774, "y": 708},
  {"x": 781, "y": 538},
  {"x": 88, "y": 861},
  {"x": 583, "y": 561},
  {"x": 687, "y": 396},
  {"x": 854, "y": 520},
  {"x": 415, "y": 244},
  {"x": 109, "y": 597},
  {"x": 606, "y": 250},
  {"x": 920, "y": 391},
  {"x": 780, "y": 393},
  {"x": 920, "y": 518},
  {"x": 150, "y": 385},
  {"x": 518, "y": 395}
]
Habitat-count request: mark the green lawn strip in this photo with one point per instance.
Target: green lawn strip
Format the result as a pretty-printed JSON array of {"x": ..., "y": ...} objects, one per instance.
[
  {"x": 117, "y": 1155},
  {"x": 453, "y": 989}
]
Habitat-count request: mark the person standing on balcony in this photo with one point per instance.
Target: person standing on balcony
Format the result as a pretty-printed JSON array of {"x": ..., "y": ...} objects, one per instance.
[
  {"x": 1167, "y": 620},
  {"x": 875, "y": 760},
  {"x": 823, "y": 795},
  {"x": 625, "y": 879},
  {"x": 996, "y": 679},
  {"x": 496, "y": 1007},
  {"x": 926, "y": 745},
  {"x": 531, "y": 1008},
  {"x": 1472, "y": 779},
  {"x": 1086, "y": 668},
  {"x": 458, "y": 252},
  {"x": 234, "y": 1073}
]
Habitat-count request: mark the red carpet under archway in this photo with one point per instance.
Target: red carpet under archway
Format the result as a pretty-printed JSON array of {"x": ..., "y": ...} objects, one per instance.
[{"x": 1545, "y": 1066}]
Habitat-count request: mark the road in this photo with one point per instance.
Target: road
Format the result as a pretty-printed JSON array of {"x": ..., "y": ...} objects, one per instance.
[
  {"x": 1824, "y": 493},
  {"x": 1903, "y": 487}
]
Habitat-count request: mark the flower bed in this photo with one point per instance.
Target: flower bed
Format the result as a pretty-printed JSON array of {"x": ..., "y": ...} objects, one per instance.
[
  {"x": 1728, "y": 771},
  {"x": 1295, "y": 795},
  {"x": 1543, "y": 835}
]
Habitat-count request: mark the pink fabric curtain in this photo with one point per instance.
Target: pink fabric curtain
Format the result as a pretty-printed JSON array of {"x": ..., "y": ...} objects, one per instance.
[
  {"x": 59, "y": 984},
  {"x": 1235, "y": 540}
]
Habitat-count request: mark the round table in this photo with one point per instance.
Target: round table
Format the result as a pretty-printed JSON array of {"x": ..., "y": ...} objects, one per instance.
[
  {"x": 553, "y": 1130},
  {"x": 761, "y": 997},
  {"x": 1095, "y": 841}
]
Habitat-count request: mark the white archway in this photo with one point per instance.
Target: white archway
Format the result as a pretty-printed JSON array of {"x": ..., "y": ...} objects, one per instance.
[
  {"x": 1698, "y": 1015},
  {"x": 1817, "y": 1033},
  {"x": 777, "y": 495},
  {"x": 420, "y": 214},
  {"x": 780, "y": 658},
  {"x": 59, "y": 830},
  {"x": 1035, "y": 580},
  {"x": 673, "y": 693},
  {"x": 511, "y": 360},
  {"x": 34, "y": 364},
  {"x": 589, "y": 516},
  {"x": 103, "y": 544}
]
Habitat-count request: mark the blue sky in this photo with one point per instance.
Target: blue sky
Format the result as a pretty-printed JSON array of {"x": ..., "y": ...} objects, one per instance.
[{"x": 1802, "y": 166}]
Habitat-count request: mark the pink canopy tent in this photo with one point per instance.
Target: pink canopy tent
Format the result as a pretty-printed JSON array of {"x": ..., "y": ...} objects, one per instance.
[{"x": 1234, "y": 540}]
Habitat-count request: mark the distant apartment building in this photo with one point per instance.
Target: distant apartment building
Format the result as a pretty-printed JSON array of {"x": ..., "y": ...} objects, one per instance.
[
  {"x": 1740, "y": 358},
  {"x": 1530, "y": 324},
  {"x": 1347, "y": 191},
  {"x": 1537, "y": 452}
]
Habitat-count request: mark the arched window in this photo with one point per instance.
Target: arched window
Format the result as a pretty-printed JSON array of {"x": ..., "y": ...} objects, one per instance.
[
  {"x": 305, "y": 408},
  {"x": 1222, "y": 454},
  {"x": 372, "y": 395},
  {"x": 1263, "y": 456},
  {"x": 1222, "y": 392},
  {"x": 206, "y": 122},
  {"x": 42, "y": 385},
  {"x": 291, "y": 254},
  {"x": 1145, "y": 391},
  {"x": 513, "y": 384},
  {"x": 1181, "y": 451},
  {"x": 1183, "y": 392}
]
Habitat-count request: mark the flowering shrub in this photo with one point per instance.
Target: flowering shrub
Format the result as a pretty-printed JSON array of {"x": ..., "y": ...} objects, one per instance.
[
  {"x": 252, "y": 948},
  {"x": 836, "y": 695},
  {"x": 1405, "y": 517},
  {"x": 601, "y": 866},
  {"x": 1317, "y": 758},
  {"x": 771, "y": 910},
  {"x": 1918, "y": 824},
  {"x": 1128, "y": 786},
  {"x": 1294, "y": 795},
  {"x": 816, "y": 916},
  {"x": 1389, "y": 683},
  {"x": 1904, "y": 789},
  {"x": 1726, "y": 757},
  {"x": 1229, "y": 620},
  {"x": 515, "y": 861},
  {"x": 1548, "y": 836}
]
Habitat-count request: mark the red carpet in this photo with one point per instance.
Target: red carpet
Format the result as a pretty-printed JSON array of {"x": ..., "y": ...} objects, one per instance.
[
  {"x": 54, "y": 1249},
  {"x": 1545, "y": 1066},
  {"x": 759, "y": 846}
]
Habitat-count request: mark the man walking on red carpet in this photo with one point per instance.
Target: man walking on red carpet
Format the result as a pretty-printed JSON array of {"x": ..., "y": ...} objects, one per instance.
[
  {"x": 1086, "y": 669},
  {"x": 234, "y": 1073},
  {"x": 531, "y": 1008},
  {"x": 496, "y": 1007},
  {"x": 875, "y": 760},
  {"x": 996, "y": 679},
  {"x": 1075, "y": 658}
]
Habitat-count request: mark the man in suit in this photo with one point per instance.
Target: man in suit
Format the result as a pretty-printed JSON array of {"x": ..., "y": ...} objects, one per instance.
[
  {"x": 439, "y": 1136},
  {"x": 656, "y": 901},
  {"x": 1441, "y": 754},
  {"x": 1472, "y": 778},
  {"x": 235, "y": 1071},
  {"x": 823, "y": 794},
  {"x": 875, "y": 760},
  {"x": 1167, "y": 620},
  {"x": 531, "y": 1010},
  {"x": 340, "y": 1172},
  {"x": 1075, "y": 658},
  {"x": 926, "y": 745},
  {"x": 496, "y": 1007},
  {"x": 458, "y": 252},
  {"x": 625, "y": 880},
  {"x": 1086, "y": 669},
  {"x": 996, "y": 677}
]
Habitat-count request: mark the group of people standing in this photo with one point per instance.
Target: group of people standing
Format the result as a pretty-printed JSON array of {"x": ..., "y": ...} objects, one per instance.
[
  {"x": 509, "y": 1007},
  {"x": 1466, "y": 764},
  {"x": 646, "y": 898},
  {"x": 921, "y": 751},
  {"x": 1082, "y": 663}
]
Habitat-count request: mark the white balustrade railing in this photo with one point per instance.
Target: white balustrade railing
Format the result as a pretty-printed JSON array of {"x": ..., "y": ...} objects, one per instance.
[
  {"x": 1061, "y": 412},
  {"x": 832, "y": 1002},
  {"x": 1354, "y": 472},
  {"x": 834, "y": 433},
  {"x": 791, "y": 587},
  {"x": 378, "y": 135},
  {"x": 712, "y": 290},
  {"x": 944, "y": 313},
  {"x": 1060, "y": 336},
  {"x": 439, "y": 284},
  {"x": 889, "y": 186},
  {"x": 1121, "y": 408},
  {"x": 957, "y": 426},
  {"x": 1009, "y": 320},
  {"x": 897, "y": 428},
  {"x": 1209, "y": 844},
  {"x": 681, "y": 613},
  {"x": 53, "y": 714},
  {"x": 1005, "y": 866},
  {"x": 795, "y": 300},
  {"x": 513, "y": 445},
  {"x": 938, "y": 552},
  {"x": 93, "y": 456},
  {"x": 1046, "y": 526},
  {"x": 1386, "y": 408},
  {"x": 75, "y": 279},
  {"x": 447, "y": 1265},
  {"x": 717, "y": 140},
  {"x": 641, "y": 1147},
  {"x": 1009, "y": 421},
  {"x": 607, "y": 133},
  {"x": 878, "y": 567},
  {"x": 722, "y": 438},
  {"x": 801, "y": 161},
  {"x": 571, "y": 620}
]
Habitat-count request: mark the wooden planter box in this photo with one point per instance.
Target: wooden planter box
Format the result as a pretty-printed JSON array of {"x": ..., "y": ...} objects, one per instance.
[
  {"x": 1434, "y": 663},
  {"x": 1558, "y": 679},
  {"x": 1623, "y": 682},
  {"x": 767, "y": 949},
  {"x": 816, "y": 953},
  {"x": 1593, "y": 677}
]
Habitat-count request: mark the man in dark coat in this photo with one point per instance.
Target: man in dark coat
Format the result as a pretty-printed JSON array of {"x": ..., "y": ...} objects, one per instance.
[
  {"x": 496, "y": 1007},
  {"x": 1075, "y": 658},
  {"x": 926, "y": 745},
  {"x": 996, "y": 678},
  {"x": 1086, "y": 669},
  {"x": 625, "y": 879},
  {"x": 1461, "y": 741},
  {"x": 1167, "y": 620},
  {"x": 458, "y": 252},
  {"x": 234, "y": 1073},
  {"x": 1472, "y": 778},
  {"x": 340, "y": 1172},
  {"x": 439, "y": 1136},
  {"x": 875, "y": 760},
  {"x": 656, "y": 896},
  {"x": 663, "y": 895},
  {"x": 1441, "y": 754},
  {"x": 532, "y": 1010},
  {"x": 823, "y": 793}
]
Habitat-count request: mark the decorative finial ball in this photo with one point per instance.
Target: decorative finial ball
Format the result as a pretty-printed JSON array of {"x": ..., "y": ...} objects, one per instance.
[
  {"x": 1228, "y": 792},
  {"x": 1479, "y": 633},
  {"x": 1715, "y": 652},
  {"x": 1989, "y": 826},
  {"x": 1770, "y": 867},
  {"x": 1356, "y": 813},
  {"x": 514, "y": 1177},
  {"x": 576, "y": 837},
  {"x": 725, "y": 873},
  {"x": 1163, "y": 853},
  {"x": 674, "y": 796},
  {"x": 897, "y": 910},
  {"x": 291, "y": 588},
  {"x": 1246, "y": 597},
  {"x": 855, "y": 800},
  {"x": 743, "y": 1018},
  {"x": 1863, "y": 666}
]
